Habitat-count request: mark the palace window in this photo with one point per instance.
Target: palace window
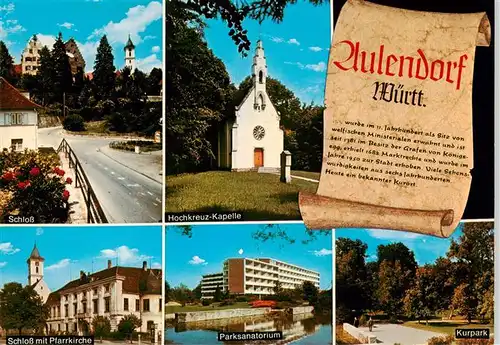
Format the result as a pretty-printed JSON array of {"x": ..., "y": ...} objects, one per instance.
[
  {"x": 137, "y": 305},
  {"x": 95, "y": 291},
  {"x": 66, "y": 311},
  {"x": 125, "y": 304},
  {"x": 95, "y": 306},
  {"x": 106, "y": 288},
  {"x": 159, "y": 306},
  {"x": 261, "y": 77},
  {"x": 106, "y": 304},
  {"x": 150, "y": 325},
  {"x": 75, "y": 308},
  {"x": 84, "y": 305},
  {"x": 145, "y": 305}
]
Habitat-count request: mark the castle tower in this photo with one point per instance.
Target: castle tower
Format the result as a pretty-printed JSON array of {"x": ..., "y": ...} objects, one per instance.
[
  {"x": 35, "y": 266},
  {"x": 130, "y": 55},
  {"x": 259, "y": 75}
]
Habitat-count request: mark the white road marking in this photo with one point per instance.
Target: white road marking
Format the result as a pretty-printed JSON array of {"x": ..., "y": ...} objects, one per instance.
[
  {"x": 105, "y": 168},
  {"x": 133, "y": 185},
  {"x": 143, "y": 194},
  {"x": 112, "y": 173},
  {"x": 121, "y": 178},
  {"x": 149, "y": 193},
  {"x": 158, "y": 200},
  {"x": 155, "y": 204}
]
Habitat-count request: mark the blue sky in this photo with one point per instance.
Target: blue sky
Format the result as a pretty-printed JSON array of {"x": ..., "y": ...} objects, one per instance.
[
  {"x": 68, "y": 250},
  {"x": 187, "y": 259},
  {"x": 86, "y": 21},
  {"x": 296, "y": 49},
  {"x": 426, "y": 248}
]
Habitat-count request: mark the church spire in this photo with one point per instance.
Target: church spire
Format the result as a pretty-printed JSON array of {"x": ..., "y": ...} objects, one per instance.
[{"x": 259, "y": 74}]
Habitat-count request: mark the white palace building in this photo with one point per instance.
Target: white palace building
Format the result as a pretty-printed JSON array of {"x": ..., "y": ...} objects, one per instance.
[{"x": 113, "y": 292}]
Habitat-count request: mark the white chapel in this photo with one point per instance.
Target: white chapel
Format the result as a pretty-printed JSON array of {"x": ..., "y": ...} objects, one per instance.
[
  {"x": 252, "y": 139},
  {"x": 35, "y": 274}
]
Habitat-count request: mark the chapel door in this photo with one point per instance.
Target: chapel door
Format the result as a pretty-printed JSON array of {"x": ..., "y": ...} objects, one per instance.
[{"x": 258, "y": 157}]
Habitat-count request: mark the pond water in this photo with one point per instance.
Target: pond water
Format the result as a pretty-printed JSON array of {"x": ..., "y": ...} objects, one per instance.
[{"x": 305, "y": 329}]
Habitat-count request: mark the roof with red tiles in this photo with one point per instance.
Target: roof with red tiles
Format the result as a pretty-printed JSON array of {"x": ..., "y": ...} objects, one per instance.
[{"x": 12, "y": 99}]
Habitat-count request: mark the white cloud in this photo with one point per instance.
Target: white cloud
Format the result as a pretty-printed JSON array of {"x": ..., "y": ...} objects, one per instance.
[
  {"x": 240, "y": 251},
  {"x": 148, "y": 63},
  {"x": 316, "y": 49},
  {"x": 393, "y": 235},
  {"x": 156, "y": 265},
  {"x": 196, "y": 260},
  {"x": 137, "y": 19},
  {"x": 155, "y": 49},
  {"x": 125, "y": 255},
  {"x": 66, "y": 25},
  {"x": 149, "y": 37},
  {"x": 8, "y": 248},
  {"x": 39, "y": 231},
  {"x": 3, "y": 264},
  {"x": 322, "y": 252},
  {"x": 61, "y": 264},
  {"x": 88, "y": 51},
  {"x": 277, "y": 39},
  {"x": 293, "y": 41},
  {"x": 298, "y": 64},
  {"x": 46, "y": 40},
  {"x": 319, "y": 67},
  {"x": 7, "y": 8}
]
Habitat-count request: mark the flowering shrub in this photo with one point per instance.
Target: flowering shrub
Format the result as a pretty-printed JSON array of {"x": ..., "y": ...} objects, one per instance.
[{"x": 33, "y": 186}]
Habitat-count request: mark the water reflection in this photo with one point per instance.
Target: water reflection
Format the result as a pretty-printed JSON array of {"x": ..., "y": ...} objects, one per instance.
[{"x": 301, "y": 329}]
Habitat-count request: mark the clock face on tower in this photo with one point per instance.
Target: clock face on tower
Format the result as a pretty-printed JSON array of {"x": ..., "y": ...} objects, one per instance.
[{"x": 259, "y": 132}]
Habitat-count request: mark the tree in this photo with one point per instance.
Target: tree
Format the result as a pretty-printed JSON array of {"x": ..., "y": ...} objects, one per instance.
[
  {"x": 197, "y": 292},
  {"x": 128, "y": 325},
  {"x": 62, "y": 77},
  {"x": 181, "y": 294},
  {"x": 154, "y": 82},
  {"x": 311, "y": 292},
  {"x": 167, "y": 292},
  {"x": 473, "y": 254},
  {"x": 421, "y": 299},
  {"x": 391, "y": 287},
  {"x": 79, "y": 82},
  {"x": 45, "y": 76},
  {"x": 6, "y": 63},
  {"x": 217, "y": 294},
  {"x": 278, "y": 288},
  {"x": 101, "y": 326},
  {"x": 104, "y": 70},
  {"x": 198, "y": 92},
  {"x": 234, "y": 15},
  {"x": 21, "y": 308}
]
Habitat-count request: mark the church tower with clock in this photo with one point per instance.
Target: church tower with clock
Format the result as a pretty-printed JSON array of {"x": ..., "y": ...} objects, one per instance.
[{"x": 253, "y": 138}]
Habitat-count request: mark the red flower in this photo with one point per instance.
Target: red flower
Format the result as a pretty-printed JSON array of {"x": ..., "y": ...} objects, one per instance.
[
  {"x": 18, "y": 173},
  {"x": 59, "y": 171},
  {"x": 23, "y": 185},
  {"x": 8, "y": 176},
  {"x": 65, "y": 195},
  {"x": 69, "y": 180},
  {"x": 35, "y": 172}
]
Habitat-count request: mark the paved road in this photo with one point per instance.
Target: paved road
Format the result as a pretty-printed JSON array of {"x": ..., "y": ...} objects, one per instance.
[
  {"x": 126, "y": 196},
  {"x": 397, "y": 334}
]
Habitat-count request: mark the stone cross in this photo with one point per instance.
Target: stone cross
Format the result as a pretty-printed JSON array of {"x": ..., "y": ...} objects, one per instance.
[{"x": 286, "y": 164}]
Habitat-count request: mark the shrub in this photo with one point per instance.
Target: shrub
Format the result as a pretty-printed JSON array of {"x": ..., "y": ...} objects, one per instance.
[
  {"x": 227, "y": 302},
  {"x": 205, "y": 302},
  {"x": 74, "y": 123},
  {"x": 33, "y": 185},
  {"x": 242, "y": 299},
  {"x": 475, "y": 341},
  {"x": 448, "y": 340},
  {"x": 87, "y": 113}
]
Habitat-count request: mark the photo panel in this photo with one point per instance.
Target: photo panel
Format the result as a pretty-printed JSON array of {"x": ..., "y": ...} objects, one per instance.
[
  {"x": 244, "y": 112},
  {"x": 81, "y": 112},
  {"x": 394, "y": 287},
  {"x": 85, "y": 284},
  {"x": 270, "y": 284}
]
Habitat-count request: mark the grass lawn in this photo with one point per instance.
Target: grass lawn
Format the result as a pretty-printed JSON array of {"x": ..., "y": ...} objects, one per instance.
[
  {"x": 446, "y": 327},
  {"x": 179, "y": 309},
  {"x": 306, "y": 174},
  {"x": 344, "y": 338},
  {"x": 257, "y": 196}
]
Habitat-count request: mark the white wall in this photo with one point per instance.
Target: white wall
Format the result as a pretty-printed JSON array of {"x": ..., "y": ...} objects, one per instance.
[
  {"x": 27, "y": 131},
  {"x": 244, "y": 142}
]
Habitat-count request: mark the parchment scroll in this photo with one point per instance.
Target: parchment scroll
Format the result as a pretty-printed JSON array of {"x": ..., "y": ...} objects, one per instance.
[{"x": 398, "y": 146}]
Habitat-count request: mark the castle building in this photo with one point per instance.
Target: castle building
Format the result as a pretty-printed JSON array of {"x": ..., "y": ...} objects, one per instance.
[
  {"x": 257, "y": 277},
  {"x": 130, "y": 55},
  {"x": 252, "y": 139},
  {"x": 113, "y": 292},
  {"x": 30, "y": 58}
]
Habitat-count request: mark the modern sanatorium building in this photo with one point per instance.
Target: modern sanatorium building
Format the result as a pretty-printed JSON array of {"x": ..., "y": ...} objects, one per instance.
[{"x": 256, "y": 276}]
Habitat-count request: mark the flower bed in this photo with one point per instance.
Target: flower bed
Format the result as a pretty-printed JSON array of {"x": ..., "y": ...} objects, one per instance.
[{"x": 33, "y": 185}]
